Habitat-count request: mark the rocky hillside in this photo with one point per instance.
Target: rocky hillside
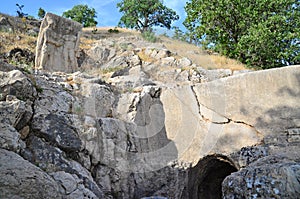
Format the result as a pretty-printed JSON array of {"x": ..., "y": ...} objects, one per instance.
[
  {"x": 21, "y": 34},
  {"x": 131, "y": 119}
]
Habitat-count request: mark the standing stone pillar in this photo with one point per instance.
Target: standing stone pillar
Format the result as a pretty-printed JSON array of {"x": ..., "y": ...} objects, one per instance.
[{"x": 58, "y": 44}]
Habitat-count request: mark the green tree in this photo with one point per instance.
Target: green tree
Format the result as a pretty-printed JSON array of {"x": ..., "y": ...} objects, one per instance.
[
  {"x": 178, "y": 34},
  {"x": 259, "y": 33},
  {"x": 82, "y": 14},
  {"x": 41, "y": 13},
  {"x": 144, "y": 14}
]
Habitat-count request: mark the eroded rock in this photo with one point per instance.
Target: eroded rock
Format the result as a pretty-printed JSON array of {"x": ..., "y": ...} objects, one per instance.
[
  {"x": 21, "y": 179},
  {"x": 58, "y": 44},
  {"x": 16, "y": 83},
  {"x": 10, "y": 139},
  {"x": 267, "y": 100},
  {"x": 269, "y": 177}
]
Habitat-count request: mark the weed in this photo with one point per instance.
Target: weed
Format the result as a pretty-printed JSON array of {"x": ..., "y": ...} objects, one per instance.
[
  {"x": 149, "y": 36},
  {"x": 39, "y": 89},
  {"x": 199, "y": 56},
  {"x": 78, "y": 109},
  {"x": 104, "y": 71},
  {"x": 27, "y": 69},
  {"x": 128, "y": 90},
  {"x": 124, "y": 46},
  {"x": 112, "y": 70}
]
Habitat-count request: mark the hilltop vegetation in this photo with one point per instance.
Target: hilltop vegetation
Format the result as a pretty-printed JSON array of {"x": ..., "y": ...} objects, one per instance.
[
  {"x": 261, "y": 34},
  {"x": 22, "y": 36}
]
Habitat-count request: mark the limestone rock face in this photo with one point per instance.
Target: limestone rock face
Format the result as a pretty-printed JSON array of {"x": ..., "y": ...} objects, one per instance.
[
  {"x": 10, "y": 138},
  {"x": 21, "y": 179},
  {"x": 269, "y": 177},
  {"x": 5, "y": 67},
  {"x": 5, "y": 25},
  {"x": 15, "y": 112},
  {"x": 14, "y": 116},
  {"x": 266, "y": 100},
  {"x": 16, "y": 91},
  {"x": 58, "y": 44},
  {"x": 17, "y": 84},
  {"x": 145, "y": 122},
  {"x": 197, "y": 131}
]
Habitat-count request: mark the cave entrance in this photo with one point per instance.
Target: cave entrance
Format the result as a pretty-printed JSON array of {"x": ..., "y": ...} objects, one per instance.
[{"x": 205, "y": 179}]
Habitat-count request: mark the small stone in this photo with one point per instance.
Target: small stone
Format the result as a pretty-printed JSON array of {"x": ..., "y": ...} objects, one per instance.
[{"x": 24, "y": 132}]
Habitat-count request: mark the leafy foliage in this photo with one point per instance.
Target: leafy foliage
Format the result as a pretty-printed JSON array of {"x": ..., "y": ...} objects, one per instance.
[
  {"x": 184, "y": 36},
  {"x": 179, "y": 34},
  {"x": 41, "y": 13},
  {"x": 144, "y": 14},
  {"x": 259, "y": 33},
  {"x": 82, "y": 14}
]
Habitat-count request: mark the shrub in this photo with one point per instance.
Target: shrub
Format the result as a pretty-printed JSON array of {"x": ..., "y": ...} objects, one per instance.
[
  {"x": 149, "y": 36},
  {"x": 115, "y": 30}
]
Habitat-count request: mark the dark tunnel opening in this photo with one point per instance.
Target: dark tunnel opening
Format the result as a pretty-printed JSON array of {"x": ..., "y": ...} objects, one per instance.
[{"x": 205, "y": 179}]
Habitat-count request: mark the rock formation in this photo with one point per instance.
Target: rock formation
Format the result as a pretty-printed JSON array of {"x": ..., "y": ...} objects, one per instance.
[
  {"x": 151, "y": 125},
  {"x": 21, "y": 179},
  {"x": 58, "y": 44}
]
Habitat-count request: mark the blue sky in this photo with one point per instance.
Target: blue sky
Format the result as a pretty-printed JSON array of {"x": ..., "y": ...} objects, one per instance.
[{"x": 107, "y": 13}]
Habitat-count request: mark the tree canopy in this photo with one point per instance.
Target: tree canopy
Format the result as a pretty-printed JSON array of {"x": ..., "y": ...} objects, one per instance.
[
  {"x": 82, "y": 14},
  {"x": 144, "y": 14},
  {"x": 259, "y": 33},
  {"x": 41, "y": 13}
]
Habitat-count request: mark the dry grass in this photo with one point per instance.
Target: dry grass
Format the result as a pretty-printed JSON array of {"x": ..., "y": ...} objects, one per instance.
[
  {"x": 86, "y": 43},
  {"x": 105, "y": 29},
  {"x": 222, "y": 61},
  {"x": 91, "y": 35},
  {"x": 10, "y": 41},
  {"x": 201, "y": 57},
  {"x": 105, "y": 73},
  {"x": 144, "y": 57},
  {"x": 181, "y": 49}
]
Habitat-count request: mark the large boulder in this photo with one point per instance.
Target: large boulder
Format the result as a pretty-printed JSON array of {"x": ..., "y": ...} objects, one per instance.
[
  {"x": 6, "y": 67},
  {"x": 10, "y": 139},
  {"x": 16, "y": 83},
  {"x": 58, "y": 44},
  {"x": 51, "y": 159},
  {"x": 270, "y": 177},
  {"x": 266, "y": 100},
  {"x": 21, "y": 179},
  {"x": 15, "y": 112},
  {"x": 196, "y": 136},
  {"x": 15, "y": 116},
  {"x": 56, "y": 129}
]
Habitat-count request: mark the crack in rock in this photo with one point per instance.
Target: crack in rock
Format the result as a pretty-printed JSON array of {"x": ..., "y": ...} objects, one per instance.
[{"x": 209, "y": 115}]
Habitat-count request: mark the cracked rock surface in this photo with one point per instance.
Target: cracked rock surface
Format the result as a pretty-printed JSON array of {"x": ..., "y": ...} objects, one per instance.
[{"x": 148, "y": 128}]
